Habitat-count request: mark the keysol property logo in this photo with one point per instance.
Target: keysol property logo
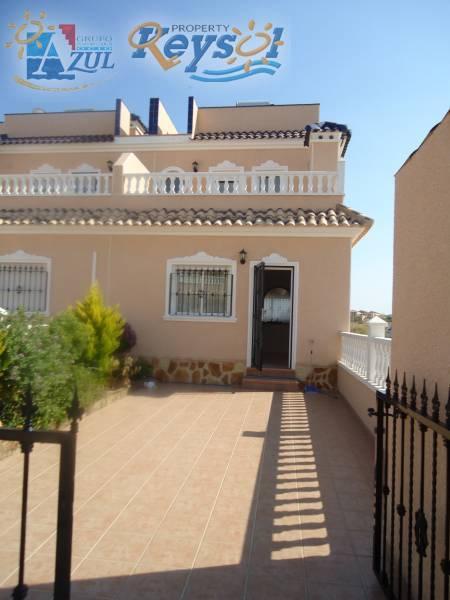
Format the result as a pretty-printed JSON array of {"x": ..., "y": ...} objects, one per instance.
[{"x": 240, "y": 54}]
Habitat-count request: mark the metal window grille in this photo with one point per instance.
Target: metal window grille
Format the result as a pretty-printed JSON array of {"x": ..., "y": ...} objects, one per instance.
[
  {"x": 23, "y": 285},
  {"x": 201, "y": 291}
]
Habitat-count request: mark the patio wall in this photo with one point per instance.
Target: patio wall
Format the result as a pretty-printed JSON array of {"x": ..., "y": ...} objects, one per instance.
[{"x": 359, "y": 394}]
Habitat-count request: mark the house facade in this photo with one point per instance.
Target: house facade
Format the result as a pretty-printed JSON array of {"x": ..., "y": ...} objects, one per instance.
[{"x": 227, "y": 247}]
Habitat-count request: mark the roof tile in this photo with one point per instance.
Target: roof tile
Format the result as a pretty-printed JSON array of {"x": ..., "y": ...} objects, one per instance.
[{"x": 339, "y": 216}]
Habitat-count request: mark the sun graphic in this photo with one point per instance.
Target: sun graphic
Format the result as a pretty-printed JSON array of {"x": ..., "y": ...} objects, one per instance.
[
  {"x": 266, "y": 42},
  {"x": 24, "y": 41}
]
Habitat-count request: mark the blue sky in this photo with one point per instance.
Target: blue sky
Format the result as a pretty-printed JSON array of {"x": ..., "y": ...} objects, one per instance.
[{"x": 383, "y": 68}]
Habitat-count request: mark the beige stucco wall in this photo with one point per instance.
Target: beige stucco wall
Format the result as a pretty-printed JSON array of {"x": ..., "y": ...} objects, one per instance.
[
  {"x": 256, "y": 118},
  {"x": 359, "y": 395},
  {"x": 295, "y": 158},
  {"x": 132, "y": 273},
  {"x": 45, "y": 124},
  {"x": 421, "y": 323}
]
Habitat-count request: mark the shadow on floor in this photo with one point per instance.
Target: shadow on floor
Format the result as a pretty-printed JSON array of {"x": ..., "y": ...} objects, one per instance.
[{"x": 309, "y": 528}]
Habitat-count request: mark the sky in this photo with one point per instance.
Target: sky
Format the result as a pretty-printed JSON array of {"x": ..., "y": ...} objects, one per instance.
[{"x": 382, "y": 68}]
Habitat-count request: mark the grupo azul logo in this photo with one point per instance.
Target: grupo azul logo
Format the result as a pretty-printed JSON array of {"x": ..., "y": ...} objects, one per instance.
[
  {"x": 241, "y": 54},
  {"x": 59, "y": 53}
]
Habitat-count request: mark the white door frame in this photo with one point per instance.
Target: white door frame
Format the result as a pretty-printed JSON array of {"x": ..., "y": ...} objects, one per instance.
[{"x": 275, "y": 260}]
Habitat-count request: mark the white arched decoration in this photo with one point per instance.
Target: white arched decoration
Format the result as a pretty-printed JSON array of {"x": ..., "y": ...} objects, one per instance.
[
  {"x": 270, "y": 182},
  {"x": 227, "y": 166},
  {"x": 172, "y": 184},
  {"x": 85, "y": 179},
  {"x": 46, "y": 179},
  {"x": 45, "y": 169},
  {"x": 229, "y": 184}
]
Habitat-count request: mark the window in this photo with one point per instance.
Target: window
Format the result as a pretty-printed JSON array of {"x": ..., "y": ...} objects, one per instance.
[
  {"x": 200, "y": 290},
  {"x": 24, "y": 285}
]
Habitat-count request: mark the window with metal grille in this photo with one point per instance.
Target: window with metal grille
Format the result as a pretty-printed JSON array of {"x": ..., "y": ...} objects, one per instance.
[
  {"x": 23, "y": 285},
  {"x": 201, "y": 291}
]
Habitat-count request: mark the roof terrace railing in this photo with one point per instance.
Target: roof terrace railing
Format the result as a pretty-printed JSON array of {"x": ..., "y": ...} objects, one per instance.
[
  {"x": 56, "y": 184},
  {"x": 256, "y": 183},
  {"x": 234, "y": 183}
]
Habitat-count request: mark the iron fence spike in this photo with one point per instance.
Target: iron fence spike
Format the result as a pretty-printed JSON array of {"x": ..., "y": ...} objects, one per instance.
[
  {"x": 424, "y": 399},
  {"x": 447, "y": 409},
  {"x": 436, "y": 405},
  {"x": 413, "y": 393}
]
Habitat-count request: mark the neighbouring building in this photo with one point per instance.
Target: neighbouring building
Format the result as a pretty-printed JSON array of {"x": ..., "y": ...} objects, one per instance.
[
  {"x": 227, "y": 246},
  {"x": 421, "y": 318}
]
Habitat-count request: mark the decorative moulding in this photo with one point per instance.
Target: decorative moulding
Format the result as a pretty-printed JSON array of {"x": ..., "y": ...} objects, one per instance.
[
  {"x": 270, "y": 165},
  {"x": 21, "y": 256},
  {"x": 201, "y": 258},
  {"x": 85, "y": 168},
  {"x": 227, "y": 165},
  {"x": 45, "y": 170},
  {"x": 274, "y": 259},
  {"x": 172, "y": 170}
]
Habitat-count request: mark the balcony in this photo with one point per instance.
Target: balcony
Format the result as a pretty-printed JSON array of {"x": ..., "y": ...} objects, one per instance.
[
  {"x": 287, "y": 183},
  {"x": 56, "y": 184},
  {"x": 260, "y": 183}
]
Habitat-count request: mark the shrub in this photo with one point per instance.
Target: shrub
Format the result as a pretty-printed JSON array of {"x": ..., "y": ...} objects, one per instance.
[
  {"x": 105, "y": 326},
  {"x": 128, "y": 339},
  {"x": 34, "y": 358},
  {"x": 144, "y": 369}
]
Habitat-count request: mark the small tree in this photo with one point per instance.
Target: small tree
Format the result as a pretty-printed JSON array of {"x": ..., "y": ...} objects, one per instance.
[{"x": 105, "y": 326}]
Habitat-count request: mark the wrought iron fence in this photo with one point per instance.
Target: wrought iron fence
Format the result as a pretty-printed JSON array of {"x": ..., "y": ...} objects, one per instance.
[
  {"x": 411, "y": 544},
  {"x": 66, "y": 439}
]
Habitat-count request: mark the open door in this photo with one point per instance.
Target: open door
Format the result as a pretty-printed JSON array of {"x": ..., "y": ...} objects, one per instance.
[{"x": 258, "y": 305}]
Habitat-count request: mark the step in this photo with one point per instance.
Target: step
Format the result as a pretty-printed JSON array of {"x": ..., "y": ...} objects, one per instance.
[
  {"x": 271, "y": 372},
  {"x": 270, "y": 384}
]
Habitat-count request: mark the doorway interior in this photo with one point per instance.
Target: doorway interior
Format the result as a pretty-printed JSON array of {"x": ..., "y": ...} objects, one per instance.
[{"x": 272, "y": 318}]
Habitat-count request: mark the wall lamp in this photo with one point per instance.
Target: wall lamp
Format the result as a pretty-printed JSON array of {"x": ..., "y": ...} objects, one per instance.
[
  {"x": 242, "y": 256},
  {"x": 195, "y": 166},
  {"x": 109, "y": 164}
]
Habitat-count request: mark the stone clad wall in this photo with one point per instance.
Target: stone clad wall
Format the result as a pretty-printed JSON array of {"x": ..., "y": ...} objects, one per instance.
[{"x": 175, "y": 370}]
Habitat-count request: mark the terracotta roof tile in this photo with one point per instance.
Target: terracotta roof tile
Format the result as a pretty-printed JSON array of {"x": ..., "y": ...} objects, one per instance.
[
  {"x": 339, "y": 216},
  {"x": 55, "y": 139},
  {"x": 324, "y": 126}
]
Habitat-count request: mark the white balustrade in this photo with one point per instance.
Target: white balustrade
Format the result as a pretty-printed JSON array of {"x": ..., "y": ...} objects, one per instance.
[
  {"x": 368, "y": 356},
  {"x": 55, "y": 184},
  {"x": 215, "y": 183}
]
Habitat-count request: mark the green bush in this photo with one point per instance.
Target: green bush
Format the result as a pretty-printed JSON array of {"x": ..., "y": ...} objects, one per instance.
[
  {"x": 34, "y": 358},
  {"x": 105, "y": 326},
  {"x": 50, "y": 357}
]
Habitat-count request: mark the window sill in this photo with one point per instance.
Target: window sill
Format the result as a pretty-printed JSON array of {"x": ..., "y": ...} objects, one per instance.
[{"x": 200, "y": 319}]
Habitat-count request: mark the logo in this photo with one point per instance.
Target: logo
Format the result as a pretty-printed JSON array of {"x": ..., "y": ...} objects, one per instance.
[
  {"x": 59, "y": 53},
  {"x": 240, "y": 54}
]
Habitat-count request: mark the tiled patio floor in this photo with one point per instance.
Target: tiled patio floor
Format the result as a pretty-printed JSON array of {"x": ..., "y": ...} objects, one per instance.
[{"x": 200, "y": 493}]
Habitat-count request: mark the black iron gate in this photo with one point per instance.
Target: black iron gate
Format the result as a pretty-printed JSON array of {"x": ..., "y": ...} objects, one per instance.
[
  {"x": 411, "y": 544},
  {"x": 27, "y": 437}
]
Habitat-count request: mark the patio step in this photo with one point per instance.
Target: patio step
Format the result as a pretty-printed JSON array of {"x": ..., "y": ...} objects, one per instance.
[
  {"x": 271, "y": 372},
  {"x": 267, "y": 380}
]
